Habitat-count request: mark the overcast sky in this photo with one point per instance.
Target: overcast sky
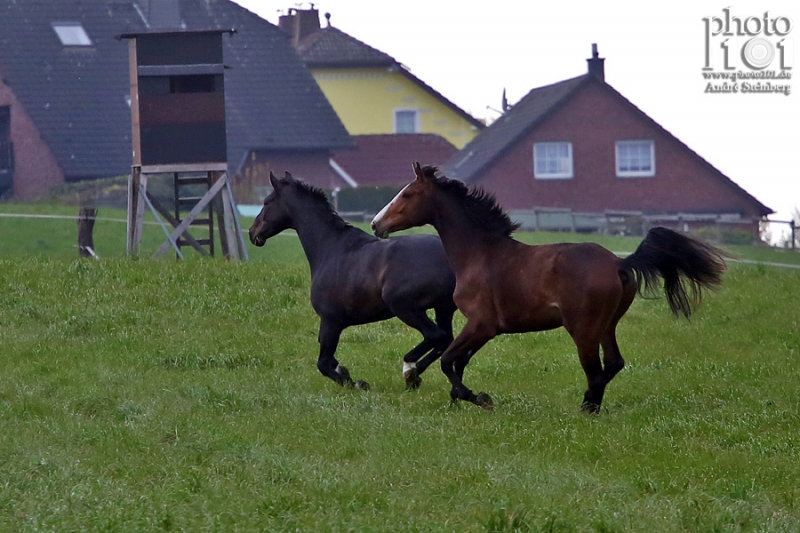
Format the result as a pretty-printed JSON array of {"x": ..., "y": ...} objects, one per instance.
[{"x": 655, "y": 54}]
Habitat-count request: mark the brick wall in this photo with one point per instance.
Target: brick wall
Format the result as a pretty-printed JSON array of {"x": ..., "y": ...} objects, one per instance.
[
  {"x": 592, "y": 121},
  {"x": 35, "y": 167}
]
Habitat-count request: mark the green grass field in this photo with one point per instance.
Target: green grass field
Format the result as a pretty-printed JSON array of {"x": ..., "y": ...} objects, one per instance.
[{"x": 142, "y": 395}]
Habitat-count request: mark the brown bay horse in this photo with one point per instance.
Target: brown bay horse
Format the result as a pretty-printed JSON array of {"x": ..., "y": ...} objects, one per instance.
[
  {"x": 357, "y": 278},
  {"x": 505, "y": 286}
]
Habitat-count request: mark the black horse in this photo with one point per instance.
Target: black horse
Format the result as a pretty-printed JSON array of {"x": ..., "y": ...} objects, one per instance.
[{"x": 357, "y": 278}]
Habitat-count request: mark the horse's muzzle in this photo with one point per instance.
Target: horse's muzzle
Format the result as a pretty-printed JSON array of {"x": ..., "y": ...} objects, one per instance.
[{"x": 378, "y": 232}]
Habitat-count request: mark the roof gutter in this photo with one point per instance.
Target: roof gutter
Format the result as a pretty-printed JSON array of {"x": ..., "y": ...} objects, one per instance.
[{"x": 347, "y": 178}]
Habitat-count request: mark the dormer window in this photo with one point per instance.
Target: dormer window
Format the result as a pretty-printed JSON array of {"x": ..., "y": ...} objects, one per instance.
[{"x": 72, "y": 34}]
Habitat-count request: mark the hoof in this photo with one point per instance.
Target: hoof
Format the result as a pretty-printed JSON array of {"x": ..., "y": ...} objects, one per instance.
[
  {"x": 361, "y": 385},
  {"x": 413, "y": 381},
  {"x": 590, "y": 407},
  {"x": 342, "y": 371},
  {"x": 484, "y": 401}
]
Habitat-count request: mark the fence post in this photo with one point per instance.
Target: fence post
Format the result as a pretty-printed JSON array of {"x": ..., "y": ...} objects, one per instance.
[{"x": 86, "y": 218}]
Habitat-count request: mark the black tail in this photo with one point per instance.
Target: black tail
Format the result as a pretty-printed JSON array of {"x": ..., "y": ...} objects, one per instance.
[{"x": 687, "y": 265}]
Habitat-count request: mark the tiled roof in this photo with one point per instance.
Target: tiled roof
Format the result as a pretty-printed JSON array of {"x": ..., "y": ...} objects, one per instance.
[
  {"x": 74, "y": 95},
  {"x": 77, "y": 96},
  {"x": 331, "y": 47},
  {"x": 501, "y": 135},
  {"x": 387, "y": 159}
]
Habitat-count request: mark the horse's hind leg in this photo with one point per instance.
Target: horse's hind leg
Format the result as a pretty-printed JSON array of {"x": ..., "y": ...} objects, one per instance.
[
  {"x": 598, "y": 376},
  {"x": 434, "y": 341},
  {"x": 612, "y": 357},
  {"x": 329, "y": 333},
  {"x": 589, "y": 354},
  {"x": 444, "y": 319}
]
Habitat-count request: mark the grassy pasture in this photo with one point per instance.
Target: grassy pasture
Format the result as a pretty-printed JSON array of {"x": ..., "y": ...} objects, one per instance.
[{"x": 140, "y": 395}]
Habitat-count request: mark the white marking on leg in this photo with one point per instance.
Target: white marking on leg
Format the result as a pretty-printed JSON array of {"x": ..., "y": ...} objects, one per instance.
[
  {"x": 383, "y": 211},
  {"x": 407, "y": 367}
]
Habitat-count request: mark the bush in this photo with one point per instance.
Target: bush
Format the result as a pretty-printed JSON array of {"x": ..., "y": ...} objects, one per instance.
[
  {"x": 366, "y": 199},
  {"x": 724, "y": 235}
]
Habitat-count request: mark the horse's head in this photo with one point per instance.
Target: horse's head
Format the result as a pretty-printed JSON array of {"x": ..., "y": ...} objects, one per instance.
[
  {"x": 274, "y": 217},
  {"x": 411, "y": 207}
]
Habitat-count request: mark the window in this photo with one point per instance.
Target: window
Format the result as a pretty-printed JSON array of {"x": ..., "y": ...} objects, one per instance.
[
  {"x": 552, "y": 160},
  {"x": 406, "y": 121},
  {"x": 72, "y": 34},
  {"x": 636, "y": 159}
]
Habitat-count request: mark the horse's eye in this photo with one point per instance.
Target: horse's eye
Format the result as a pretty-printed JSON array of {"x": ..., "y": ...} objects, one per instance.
[{"x": 406, "y": 194}]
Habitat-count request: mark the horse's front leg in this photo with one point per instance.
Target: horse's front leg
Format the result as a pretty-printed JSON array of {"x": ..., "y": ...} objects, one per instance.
[
  {"x": 456, "y": 357},
  {"x": 329, "y": 333}
]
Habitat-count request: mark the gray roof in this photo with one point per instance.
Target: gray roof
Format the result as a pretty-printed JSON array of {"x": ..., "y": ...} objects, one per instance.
[
  {"x": 330, "y": 47},
  {"x": 77, "y": 96},
  {"x": 514, "y": 125}
]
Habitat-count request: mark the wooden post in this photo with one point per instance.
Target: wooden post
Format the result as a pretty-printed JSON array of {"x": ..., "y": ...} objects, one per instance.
[
  {"x": 86, "y": 218},
  {"x": 222, "y": 217},
  {"x": 236, "y": 225},
  {"x": 133, "y": 208}
]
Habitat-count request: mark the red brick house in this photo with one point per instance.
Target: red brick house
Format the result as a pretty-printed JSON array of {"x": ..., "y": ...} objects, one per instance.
[{"x": 581, "y": 145}]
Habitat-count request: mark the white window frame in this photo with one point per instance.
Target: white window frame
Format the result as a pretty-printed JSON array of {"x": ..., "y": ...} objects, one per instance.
[
  {"x": 406, "y": 110},
  {"x": 71, "y": 34},
  {"x": 637, "y": 173},
  {"x": 562, "y": 173}
]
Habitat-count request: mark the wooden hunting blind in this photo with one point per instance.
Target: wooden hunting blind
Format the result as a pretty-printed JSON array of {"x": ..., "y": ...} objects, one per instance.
[{"x": 178, "y": 127}]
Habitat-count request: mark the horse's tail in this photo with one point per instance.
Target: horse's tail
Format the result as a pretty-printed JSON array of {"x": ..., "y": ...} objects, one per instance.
[{"x": 688, "y": 266}]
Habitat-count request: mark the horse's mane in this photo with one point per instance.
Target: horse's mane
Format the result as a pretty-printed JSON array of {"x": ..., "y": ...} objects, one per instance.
[
  {"x": 319, "y": 200},
  {"x": 481, "y": 207}
]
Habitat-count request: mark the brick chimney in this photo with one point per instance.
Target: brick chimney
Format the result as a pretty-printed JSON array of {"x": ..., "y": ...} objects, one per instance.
[
  {"x": 300, "y": 23},
  {"x": 596, "y": 67},
  {"x": 286, "y": 22}
]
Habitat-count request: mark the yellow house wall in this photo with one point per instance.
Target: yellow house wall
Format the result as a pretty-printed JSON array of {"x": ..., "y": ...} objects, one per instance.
[{"x": 365, "y": 100}]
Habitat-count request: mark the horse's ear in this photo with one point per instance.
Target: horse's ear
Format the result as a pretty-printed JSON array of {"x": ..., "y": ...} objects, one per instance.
[
  {"x": 423, "y": 174},
  {"x": 417, "y": 170},
  {"x": 287, "y": 176},
  {"x": 273, "y": 180}
]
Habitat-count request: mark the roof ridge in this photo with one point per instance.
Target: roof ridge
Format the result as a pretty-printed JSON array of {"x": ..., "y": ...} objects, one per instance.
[
  {"x": 687, "y": 147},
  {"x": 513, "y": 125}
]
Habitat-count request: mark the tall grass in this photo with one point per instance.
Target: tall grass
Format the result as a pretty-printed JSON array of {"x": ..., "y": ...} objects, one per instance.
[{"x": 140, "y": 395}]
